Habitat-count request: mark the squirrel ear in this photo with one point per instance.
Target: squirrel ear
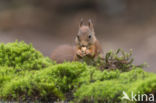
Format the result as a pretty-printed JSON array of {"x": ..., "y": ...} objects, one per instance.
[
  {"x": 90, "y": 24},
  {"x": 81, "y": 22}
]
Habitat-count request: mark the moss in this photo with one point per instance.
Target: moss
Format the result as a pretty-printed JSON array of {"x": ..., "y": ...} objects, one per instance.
[
  {"x": 20, "y": 55},
  {"x": 26, "y": 75},
  {"x": 57, "y": 80},
  {"x": 48, "y": 84},
  {"x": 31, "y": 87},
  {"x": 6, "y": 74},
  {"x": 110, "y": 91}
]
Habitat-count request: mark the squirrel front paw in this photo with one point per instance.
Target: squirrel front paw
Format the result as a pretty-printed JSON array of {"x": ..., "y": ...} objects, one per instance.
[
  {"x": 89, "y": 53},
  {"x": 79, "y": 53}
]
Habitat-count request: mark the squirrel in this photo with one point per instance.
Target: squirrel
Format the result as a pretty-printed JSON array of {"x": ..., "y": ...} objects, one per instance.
[
  {"x": 63, "y": 53},
  {"x": 87, "y": 45}
]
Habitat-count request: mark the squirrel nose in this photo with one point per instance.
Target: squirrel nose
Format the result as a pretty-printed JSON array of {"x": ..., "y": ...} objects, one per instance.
[{"x": 83, "y": 45}]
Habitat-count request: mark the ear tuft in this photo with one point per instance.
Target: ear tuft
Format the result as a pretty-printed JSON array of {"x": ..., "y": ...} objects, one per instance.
[
  {"x": 81, "y": 22},
  {"x": 90, "y": 24}
]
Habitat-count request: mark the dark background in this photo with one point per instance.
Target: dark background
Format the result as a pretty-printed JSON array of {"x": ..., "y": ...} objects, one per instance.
[{"x": 127, "y": 24}]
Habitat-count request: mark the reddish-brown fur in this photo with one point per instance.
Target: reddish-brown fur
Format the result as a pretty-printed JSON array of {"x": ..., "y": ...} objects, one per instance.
[
  {"x": 63, "y": 53},
  {"x": 85, "y": 39}
]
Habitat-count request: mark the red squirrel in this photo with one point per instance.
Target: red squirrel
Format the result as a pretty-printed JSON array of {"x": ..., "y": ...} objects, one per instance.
[{"x": 87, "y": 45}]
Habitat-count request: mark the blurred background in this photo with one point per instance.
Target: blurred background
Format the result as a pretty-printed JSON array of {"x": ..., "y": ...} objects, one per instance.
[{"x": 127, "y": 24}]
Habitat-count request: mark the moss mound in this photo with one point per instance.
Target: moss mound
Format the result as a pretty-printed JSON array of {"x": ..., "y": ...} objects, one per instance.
[
  {"x": 30, "y": 86},
  {"x": 26, "y": 76},
  {"x": 48, "y": 84},
  {"x": 22, "y": 56},
  {"x": 111, "y": 90}
]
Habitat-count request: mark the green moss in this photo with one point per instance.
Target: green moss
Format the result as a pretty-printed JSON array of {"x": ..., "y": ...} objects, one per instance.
[
  {"x": 26, "y": 75},
  {"x": 84, "y": 81},
  {"x": 110, "y": 91},
  {"x": 48, "y": 84},
  {"x": 33, "y": 86},
  {"x": 66, "y": 75},
  {"x": 20, "y": 55},
  {"x": 6, "y": 74}
]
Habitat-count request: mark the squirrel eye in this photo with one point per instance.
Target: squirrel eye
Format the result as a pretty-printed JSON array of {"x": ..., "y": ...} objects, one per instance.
[{"x": 89, "y": 36}]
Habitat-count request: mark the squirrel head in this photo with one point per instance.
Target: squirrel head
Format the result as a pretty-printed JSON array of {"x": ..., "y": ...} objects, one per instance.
[{"x": 86, "y": 35}]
